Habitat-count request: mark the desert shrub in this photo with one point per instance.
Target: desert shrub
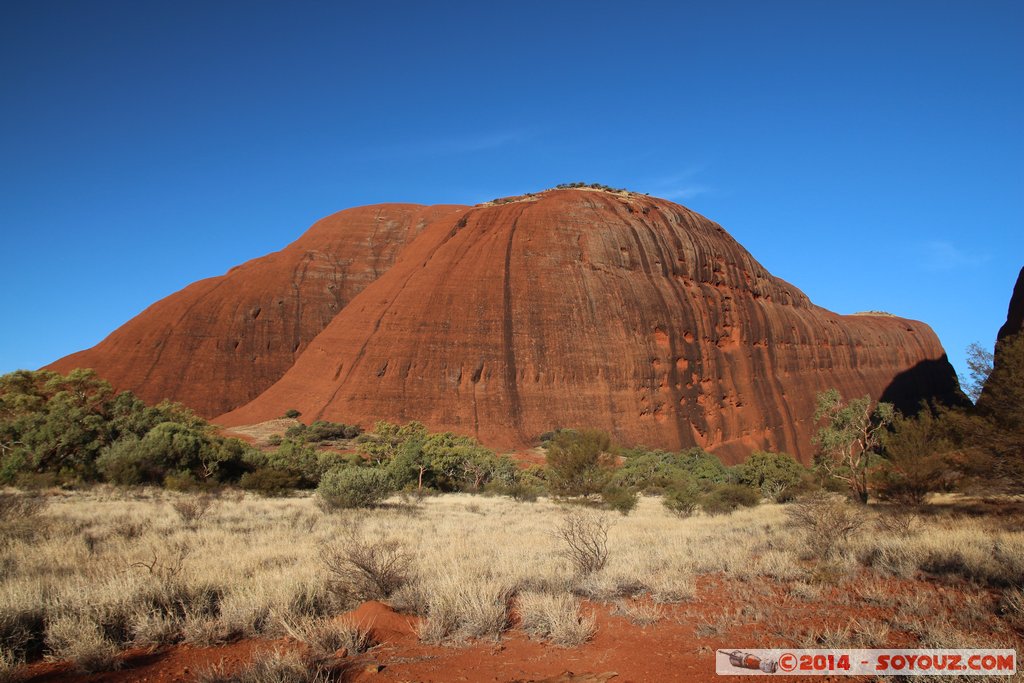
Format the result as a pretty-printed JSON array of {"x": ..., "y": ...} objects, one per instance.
[
  {"x": 899, "y": 521},
  {"x": 275, "y": 440},
  {"x": 181, "y": 481},
  {"x": 579, "y": 462},
  {"x": 179, "y": 455},
  {"x": 270, "y": 481},
  {"x": 583, "y": 536},
  {"x": 888, "y": 556},
  {"x": 296, "y": 432},
  {"x": 9, "y": 665},
  {"x": 59, "y": 425},
  {"x": 704, "y": 467},
  {"x": 23, "y": 631},
  {"x": 191, "y": 509},
  {"x": 770, "y": 473},
  {"x": 292, "y": 413},
  {"x": 1011, "y": 607},
  {"x": 82, "y": 642},
  {"x": 353, "y": 487},
  {"x": 681, "y": 495},
  {"x": 154, "y": 628},
  {"x": 331, "y": 431},
  {"x": 646, "y": 471},
  {"x": 272, "y": 667},
  {"x": 387, "y": 440},
  {"x": 298, "y": 458},
  {"x": 827, "y": 522},
  {"x": 619, "y": 498},
  {"x": 325, "y": 636},
  {"x": 460, "y": 607},
  {"x": 671, "y": 587},
  {"x": 518, "y": 491},
  {"x": 655, "y": 471},
  {"x": 555, "y": 618},
  {"x": 638, "y": 612},
  {"x": 362, "y": 568},
  {"x": 524, "y": 485},
  {"x": 807, "y": 486},
  {"x": 125, "y": 463},
  {"x": 20, "y": 515},
  {"x": 728, "y": 498}
]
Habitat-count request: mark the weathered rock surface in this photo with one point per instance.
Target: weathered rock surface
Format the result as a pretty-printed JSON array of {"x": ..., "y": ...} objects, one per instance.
[
  {"x": 578, "y": 308},
  {"x": 220, "y": 342},
  {"x": 1015, "y": 314}
]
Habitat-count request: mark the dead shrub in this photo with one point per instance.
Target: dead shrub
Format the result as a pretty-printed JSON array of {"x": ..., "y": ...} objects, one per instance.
[
  {"x": 366, "y": 569},
  {"x": 828, "y": 522},
  {"x": 165, "y": 564},
  {"x": 192, "y": 509},
  {"x": 584, "y": 538},
  {"x": 901, "y": 522}
]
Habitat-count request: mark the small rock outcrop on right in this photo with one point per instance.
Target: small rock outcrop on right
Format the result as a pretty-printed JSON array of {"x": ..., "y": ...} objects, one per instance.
[{"x": 1015, "y": 314}]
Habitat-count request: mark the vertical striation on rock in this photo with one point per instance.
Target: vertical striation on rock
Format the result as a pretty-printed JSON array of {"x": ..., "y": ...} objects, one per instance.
[
  {"x": 579, "y": 308},
  {"x": 220, "y": 342}
]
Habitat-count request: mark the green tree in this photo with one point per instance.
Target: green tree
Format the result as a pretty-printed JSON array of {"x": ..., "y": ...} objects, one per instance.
[
  {"x": 917, "y": 458},
  {"x": 997, "y": 425},
  {"x": 705, "y": 467},
  {"x": 770, "y": 473},
  {"x": 387, "y": 439},
  {"x": 579, "y": 462},
  {"x": 850, "y": 437},
  {"x": 979, "y": 366},
  {"x": 682, "y": 495}
]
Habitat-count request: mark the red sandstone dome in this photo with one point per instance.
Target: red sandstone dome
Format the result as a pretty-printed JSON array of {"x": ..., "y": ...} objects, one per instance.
[
  {"x": 584, "y": 308},
  {"x": 219, "y": 342}
]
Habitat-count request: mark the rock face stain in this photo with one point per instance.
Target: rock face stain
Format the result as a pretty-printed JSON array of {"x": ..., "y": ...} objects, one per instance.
[
  {"x": 577, "y": 308},
  {"x": 220, "y": 342}
]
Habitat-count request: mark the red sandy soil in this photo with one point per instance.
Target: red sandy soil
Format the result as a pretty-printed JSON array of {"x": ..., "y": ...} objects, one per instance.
[{"x": 672, "y": 649}]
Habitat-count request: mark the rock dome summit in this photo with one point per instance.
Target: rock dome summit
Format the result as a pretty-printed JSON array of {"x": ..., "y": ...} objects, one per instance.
[{"x": 567, "y": 308}]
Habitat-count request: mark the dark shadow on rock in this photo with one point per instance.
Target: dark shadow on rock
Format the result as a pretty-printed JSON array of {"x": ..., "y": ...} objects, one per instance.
[
  {"x": 932, "y": 381},
  {"x": 1015, "y": 314}
]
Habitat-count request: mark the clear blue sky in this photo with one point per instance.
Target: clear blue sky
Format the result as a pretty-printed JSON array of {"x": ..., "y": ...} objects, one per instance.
[{"x": 869, "y": 152}]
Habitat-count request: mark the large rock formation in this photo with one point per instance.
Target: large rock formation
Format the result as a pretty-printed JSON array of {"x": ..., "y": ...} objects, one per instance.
[
  {"x": 219, "y": 342},
  {"x": 581, "y": 308},
  {"x": 1015, "y": 315}
]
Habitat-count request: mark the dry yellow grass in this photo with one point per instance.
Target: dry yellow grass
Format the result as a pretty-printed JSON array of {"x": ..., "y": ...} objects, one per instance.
[{"x": 128, "y": 569}]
